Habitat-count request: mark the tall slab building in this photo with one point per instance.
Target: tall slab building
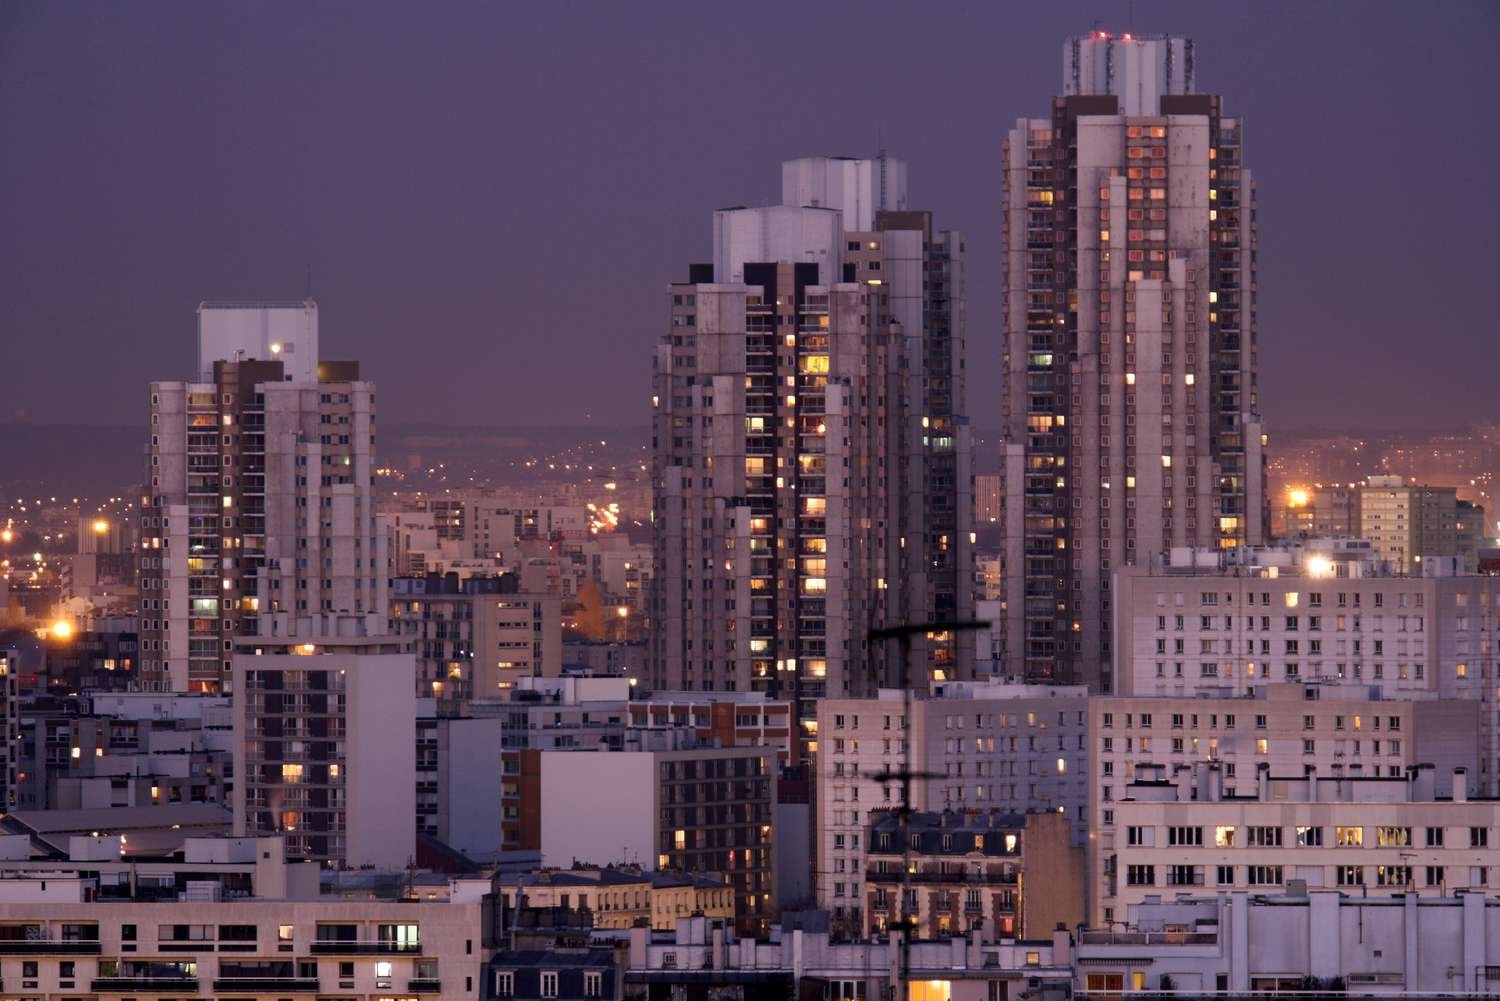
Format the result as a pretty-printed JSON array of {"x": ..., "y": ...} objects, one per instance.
[
  {"x": 1131, "y": 419},
  {"x": 257, "y": 510},
  {"x": 812, "y": 451}
]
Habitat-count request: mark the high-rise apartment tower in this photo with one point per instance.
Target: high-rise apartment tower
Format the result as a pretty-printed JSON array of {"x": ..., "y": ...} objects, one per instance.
[
  {"x": 812, "y": 453},
  {"x": 1131, "y": 419},
  {"x": 257, "y": 510}
]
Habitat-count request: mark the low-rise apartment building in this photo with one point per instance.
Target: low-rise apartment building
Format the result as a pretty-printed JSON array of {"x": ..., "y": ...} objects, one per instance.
[
  {"x": 477, "y": 637},
  {"x": 1290, "y": 727},
  {"x": 972, "y": 745},
  {"x": 1181, "y": 829},
  {"x": 621, "y": 897},
  {"x": 1323, "y": 613},
  {"x": 1326, "y": 943},
  {"x": 324, "y": 730},
  {"x": 737, "y": 719},
  {"x": 665, "y": 803},
  {"x": 230, "y": 918},
  {"x": 1004, "y": 875}
]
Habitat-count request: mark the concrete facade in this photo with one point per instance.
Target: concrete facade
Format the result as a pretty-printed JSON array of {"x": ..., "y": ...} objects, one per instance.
[
  {"x": 974, "y": 747},
  {"x": 812, "y": 469},
  {"x": 1131, "y": 420},
  {"x": 323, "y": 750},
  {"x": 257, "y": 509},
  {"x": 694, "y": 810},
  {"x": 1181, "y": 828},
  {"x": 1318, "y": 614}
]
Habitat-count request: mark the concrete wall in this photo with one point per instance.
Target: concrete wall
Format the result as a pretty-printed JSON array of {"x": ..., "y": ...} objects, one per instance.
[{"x": 598, "y": 807}]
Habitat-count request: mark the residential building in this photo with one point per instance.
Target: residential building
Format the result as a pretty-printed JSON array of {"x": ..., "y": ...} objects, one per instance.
[
  {"x": 1005, "y": 875},
  {"x": 1326, "y": 942},
  {"x": 257, "y": 500},
  {"x": 1469, "y": 533},
  {"x": 725, "y": 719},
  {"x": 623, "y": 897},
  {"x": 10, "y": 732},
  {"x": 324, "y": 728},
  {"x": 1182, "y": 828},
  {"x": 247, "y": 925},
  {"x": 105, "y": 656},
  {"x": 553, "y": 954},
  {"x": 1289, "y": 727},
  {"x": 987, "y": 499},
  {"x": 1408, "y": 522},
  {"x": 971, "y": 746},
  {"x": 1131, "y": 420},
  {"x": 806, "y": 960},
  {"x": 1322, "y": 510},
  {"x": 1326, "y": 612},
  {"x": 811, "y": 449},
  {"x": 126, "y": 749},
  {"x": 671, "y": 806},
  {"x": 478, "y": 763},
  {"x": 477, "y": 637}
]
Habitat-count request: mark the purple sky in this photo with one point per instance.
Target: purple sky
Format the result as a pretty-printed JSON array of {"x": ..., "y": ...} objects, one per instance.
[{"x": 493, "y": 197}]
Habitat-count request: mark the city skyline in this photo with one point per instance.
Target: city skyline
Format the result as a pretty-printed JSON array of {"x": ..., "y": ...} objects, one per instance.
[
  {"x": 911, "y": 655},
  {"x": 453, "y": 273}
]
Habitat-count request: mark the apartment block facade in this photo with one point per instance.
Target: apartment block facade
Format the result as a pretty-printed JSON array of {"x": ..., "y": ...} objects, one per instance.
[
  {"x": 1406, "y": 522},
  {"x": 476, "y": 638},
  {"x": 672, "y": 807},
  {"x": 257, "y": 503},
  {"x": 1004, "y": 875},
  {"x": 1290, "y": 729},
  {"x": 324, "y": 731},
  {"x": 811, "y": 451},
  {"x": 1325, "y": 615},
  {"x": 1370, "y": 836},
  {"x": 972, "y": 747},
  {"x": 1131, "y": 418}
]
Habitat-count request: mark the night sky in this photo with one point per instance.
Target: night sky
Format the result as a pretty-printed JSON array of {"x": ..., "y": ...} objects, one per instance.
[{"x": 493, "y": 197}]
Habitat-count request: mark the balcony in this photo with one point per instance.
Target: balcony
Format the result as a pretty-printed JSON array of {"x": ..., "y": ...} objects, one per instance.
[
  {"x": 425, "y": 985},
  {"x": 144, "y": 982},
  {"x": 257, "y": 985},
  {"x": 993, "y": 879},
  {"x": 338, "y": 947},
  {"x": 48, "y": 947}
]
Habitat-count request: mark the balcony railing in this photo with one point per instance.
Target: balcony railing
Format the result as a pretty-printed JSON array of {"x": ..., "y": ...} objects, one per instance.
[
  {"x": 425, "y": 985},
  {"x": 48, "y": 947},
  {"x": 144, "y": 982},
  {"x": 1102, "y": 937},
  {"x": 336, "y": 947},
  {"x": 290, "y": 985}
]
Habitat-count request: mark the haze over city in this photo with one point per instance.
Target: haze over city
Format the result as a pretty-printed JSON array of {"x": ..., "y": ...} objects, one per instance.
[{"x": 494, "y": 203}]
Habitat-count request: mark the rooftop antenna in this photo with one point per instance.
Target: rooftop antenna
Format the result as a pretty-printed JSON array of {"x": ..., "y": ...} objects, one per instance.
[{"x": 309, "y": 282}]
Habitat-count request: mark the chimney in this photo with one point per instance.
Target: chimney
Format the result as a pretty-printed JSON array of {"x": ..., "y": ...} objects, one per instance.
[
  {"x": 1215, "y": 782},
  {"x": 1423, "y": 783},
  {"x": 1460, "y": 785},
  {"x": 1062, "y": 947}
]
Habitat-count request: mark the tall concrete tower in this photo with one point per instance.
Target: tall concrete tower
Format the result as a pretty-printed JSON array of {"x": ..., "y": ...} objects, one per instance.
[
  {"x": 257, "y": 511},
  {"x": 812, "y": 448},
  {"x": 1131, "y": 415}
]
